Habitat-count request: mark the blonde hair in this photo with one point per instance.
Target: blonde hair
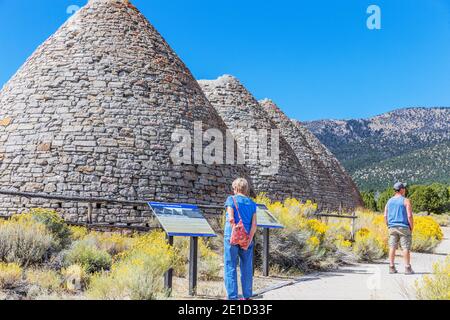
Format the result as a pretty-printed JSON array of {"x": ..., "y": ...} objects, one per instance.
[{"x": 241, "y": 186}]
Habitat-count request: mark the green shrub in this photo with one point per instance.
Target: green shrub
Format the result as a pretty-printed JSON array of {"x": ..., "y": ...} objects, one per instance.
[
  {"x": 129, "y": 281},
  {"x": 210, "y": 263},
  {"x": 383, "y": 199},
  {"x": 86, "y": 254},
  {"x": 47, "y": 280},
  {"x": 369, "y": 200},
  {"x": 24, "y": 241},
  {"x": 55, "y": 224},
  {"x": 299, "y": 251},
  {"x": 434, "y": 198},
  {"x": 112, "y": 243},
  {"x": 425, "y": 199}
]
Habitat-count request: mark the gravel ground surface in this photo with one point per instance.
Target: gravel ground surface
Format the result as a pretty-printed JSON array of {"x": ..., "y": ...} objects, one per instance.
[{"x": 363, "y": 281}]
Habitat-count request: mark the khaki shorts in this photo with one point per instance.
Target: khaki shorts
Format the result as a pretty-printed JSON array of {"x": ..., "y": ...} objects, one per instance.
[{"x": 400, "y": 236}]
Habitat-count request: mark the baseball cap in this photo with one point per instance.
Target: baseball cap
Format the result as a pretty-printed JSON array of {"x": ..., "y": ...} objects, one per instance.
[{"x": 399, "y": 186}]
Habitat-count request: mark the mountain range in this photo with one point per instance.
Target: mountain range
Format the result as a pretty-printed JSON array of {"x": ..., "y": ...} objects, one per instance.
[{"x": 411, "y": 145}]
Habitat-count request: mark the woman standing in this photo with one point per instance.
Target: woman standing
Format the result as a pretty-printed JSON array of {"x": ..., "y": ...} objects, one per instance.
[{"x": 238, "y": 207}]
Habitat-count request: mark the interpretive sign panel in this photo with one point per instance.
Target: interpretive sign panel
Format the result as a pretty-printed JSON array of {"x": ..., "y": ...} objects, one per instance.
[
  {"x": 182, "y": 220},
  {"x": 266, "y": 219}
]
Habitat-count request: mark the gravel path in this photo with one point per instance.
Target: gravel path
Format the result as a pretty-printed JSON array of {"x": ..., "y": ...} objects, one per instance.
[{"x": 363, "y": 281}]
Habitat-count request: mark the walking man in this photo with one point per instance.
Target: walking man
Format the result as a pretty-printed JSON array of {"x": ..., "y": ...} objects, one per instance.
[{"x": 399, "y": 218}]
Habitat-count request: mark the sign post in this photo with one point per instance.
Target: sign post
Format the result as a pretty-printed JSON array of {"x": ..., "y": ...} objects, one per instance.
[
  {"x": 168, "y": 277},
  {"x": 266, "y": 235},
  {"x": 193, "y": 266},
  {"x": 267, "y": 221},
  {"x": 183, "y": 220}
]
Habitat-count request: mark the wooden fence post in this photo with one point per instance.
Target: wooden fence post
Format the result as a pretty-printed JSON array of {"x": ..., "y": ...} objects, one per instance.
[
  {"x": 353, "y": 226},
  {"x": 89, "y": 214}
]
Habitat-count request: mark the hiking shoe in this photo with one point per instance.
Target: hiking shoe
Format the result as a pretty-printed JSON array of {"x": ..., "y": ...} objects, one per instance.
[
  {"x": 392, "y": 270},
  {"x": 409, "y": 270}
]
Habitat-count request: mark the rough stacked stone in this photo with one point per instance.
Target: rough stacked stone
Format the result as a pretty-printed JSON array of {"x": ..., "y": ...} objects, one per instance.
[
  {"x": 350, "y": 197},
  {"x": 92, "y": 111},
  {"x": 329, "y": 183},
  {"x": 241, "y": 111}
]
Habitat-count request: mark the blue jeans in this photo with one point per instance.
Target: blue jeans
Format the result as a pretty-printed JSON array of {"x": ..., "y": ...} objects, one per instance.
[{"x": 231, "y": 255}]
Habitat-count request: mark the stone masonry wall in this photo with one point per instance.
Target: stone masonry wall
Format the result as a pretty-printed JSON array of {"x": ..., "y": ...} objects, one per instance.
[
  {"x": 328, "y": 179},
  {"x": 350, "y": 196},
  {"x": 91, "y": 113},
  {"x": 325, "y": 191},
  {"x": 239, "y": 109}
]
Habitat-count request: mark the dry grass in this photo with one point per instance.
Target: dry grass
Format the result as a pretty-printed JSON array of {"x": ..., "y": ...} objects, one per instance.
[{"x": 215, "y": 290}]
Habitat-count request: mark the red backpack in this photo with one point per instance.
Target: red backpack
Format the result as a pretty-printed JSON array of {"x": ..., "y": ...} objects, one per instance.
[{"x": 239, "y": 236}]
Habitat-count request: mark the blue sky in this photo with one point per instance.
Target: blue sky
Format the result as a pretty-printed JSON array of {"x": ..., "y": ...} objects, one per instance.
[{"x": 315, "y": 58}]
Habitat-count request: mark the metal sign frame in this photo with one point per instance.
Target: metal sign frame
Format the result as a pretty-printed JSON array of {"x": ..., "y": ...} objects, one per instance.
[
  {"x": 162, "y": 205},
  {"x": 266, "y": 237},
  {"x": 193, "y": 247}
]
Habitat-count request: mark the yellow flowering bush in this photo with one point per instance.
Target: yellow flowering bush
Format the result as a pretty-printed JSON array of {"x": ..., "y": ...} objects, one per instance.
[
  {"x": 293, "y": 214},
  {"x": 75, "y": 278},
  {"x": 317, "y": 226},
  {"x": 373, "y": 232},
  {"x": 436, "y": 286},
  {"x": 313, "y": 241},
  {"x": 368, "y": 246},
  {"x": 138, "y": 274},
  {"x": 10, "y": 275},
  {"x": 371, "y": 240},
  {"x": 305, "y": 243},
  {"x": 78, "y": 233},
  {"x": 342, "y": 243},
  {"x": 427, "y": 234}
]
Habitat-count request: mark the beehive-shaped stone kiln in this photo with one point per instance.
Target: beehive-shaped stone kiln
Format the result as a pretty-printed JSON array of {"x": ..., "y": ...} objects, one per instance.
[
  {"x": 91, "y": 113},
  {"x": 241, "y": 111},
  {"x": 332, "y": 187}
]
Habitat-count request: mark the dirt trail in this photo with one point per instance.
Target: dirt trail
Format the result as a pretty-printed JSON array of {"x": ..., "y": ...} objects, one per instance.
[{"x": 363, "y": 281}]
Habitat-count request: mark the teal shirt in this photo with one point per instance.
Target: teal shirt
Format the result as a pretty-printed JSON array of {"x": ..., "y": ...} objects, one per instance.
[
  {"x": 397, "y": 215},
  {"x": 247, "y": 209}
]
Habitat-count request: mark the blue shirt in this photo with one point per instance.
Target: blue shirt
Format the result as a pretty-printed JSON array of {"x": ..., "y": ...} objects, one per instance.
[
  {"x": 247, "y": 209},
  {"x": 397, "y": 214}
]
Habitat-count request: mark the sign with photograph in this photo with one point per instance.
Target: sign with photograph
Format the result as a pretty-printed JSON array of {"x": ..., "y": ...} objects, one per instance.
[
  {"x": 182, "y": 220},
  {"x": 266, "y": 219}
]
